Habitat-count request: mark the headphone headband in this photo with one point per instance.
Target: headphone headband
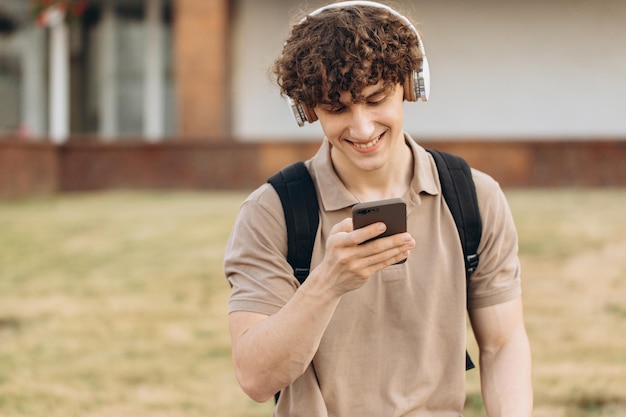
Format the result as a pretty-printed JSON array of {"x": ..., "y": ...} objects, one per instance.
[
  {"x": 416, "y": 87},
  {"x": 342, "y": 4}
]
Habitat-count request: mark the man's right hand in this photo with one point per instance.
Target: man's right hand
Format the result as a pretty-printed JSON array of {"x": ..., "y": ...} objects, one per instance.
[{"x": 349, "y": 262}]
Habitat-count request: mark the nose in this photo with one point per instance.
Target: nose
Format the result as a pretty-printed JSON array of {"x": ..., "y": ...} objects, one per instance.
[{"x": 361, "y": 122}]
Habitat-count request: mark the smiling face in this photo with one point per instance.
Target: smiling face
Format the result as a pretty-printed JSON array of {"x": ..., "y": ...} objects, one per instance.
[
  {"x": 365, "y": 133},
  {"x": 346, "y": 49},
  {"x": 347, "y": 64}
]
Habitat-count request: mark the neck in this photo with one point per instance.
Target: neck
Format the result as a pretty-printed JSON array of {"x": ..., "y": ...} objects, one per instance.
[{"x": 391, "y": 180}]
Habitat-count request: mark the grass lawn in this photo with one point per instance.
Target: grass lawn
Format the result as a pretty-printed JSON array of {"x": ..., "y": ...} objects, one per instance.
[{"x": 114, "y": 304}]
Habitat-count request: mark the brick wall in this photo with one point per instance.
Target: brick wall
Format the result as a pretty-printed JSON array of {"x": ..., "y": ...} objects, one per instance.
[
  {"x": 39, "y": 169},
  {"x": 201, "y": 45},
  {"x": 173, "y": 165},
  {"x": 27, "y": 169},
  {"x": 546, "y": 163}
]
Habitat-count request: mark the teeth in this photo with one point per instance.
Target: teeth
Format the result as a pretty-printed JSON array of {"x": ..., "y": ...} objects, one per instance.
[{"x": 368, "y": 144}]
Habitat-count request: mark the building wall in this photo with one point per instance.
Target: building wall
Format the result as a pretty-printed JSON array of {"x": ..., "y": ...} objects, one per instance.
[{"x": 500, "y": 69}]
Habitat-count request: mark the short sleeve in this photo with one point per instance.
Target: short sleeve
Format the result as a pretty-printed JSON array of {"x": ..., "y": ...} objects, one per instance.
[
  {"x": 255, "y": 264},
  {"x": 498, "y": 276}
]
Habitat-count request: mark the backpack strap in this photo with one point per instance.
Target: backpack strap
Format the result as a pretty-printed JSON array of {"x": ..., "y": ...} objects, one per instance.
[
  {"x": 298, "y": 197},
  {"x": 459, "y": 192}
]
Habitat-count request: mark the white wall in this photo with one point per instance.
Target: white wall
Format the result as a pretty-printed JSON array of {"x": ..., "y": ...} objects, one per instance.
[{"x": 499, "y": 68}]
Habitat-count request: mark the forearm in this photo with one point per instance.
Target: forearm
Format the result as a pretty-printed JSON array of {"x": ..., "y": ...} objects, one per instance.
[
  {"x": 278, "y": 349},
  {"x": 506, "y": 379}
]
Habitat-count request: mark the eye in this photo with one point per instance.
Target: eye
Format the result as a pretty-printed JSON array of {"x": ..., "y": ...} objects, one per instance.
[
  {"x": 335, "y": 109},
  {"x": 376, "y": 100}
]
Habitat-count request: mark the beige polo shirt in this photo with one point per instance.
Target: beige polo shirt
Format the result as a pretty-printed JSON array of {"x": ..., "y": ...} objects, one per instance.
[{"x": 396, "y": 346}]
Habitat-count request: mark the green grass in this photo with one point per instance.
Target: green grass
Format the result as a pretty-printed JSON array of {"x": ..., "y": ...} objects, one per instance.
[{"x": 114, "y": 304}]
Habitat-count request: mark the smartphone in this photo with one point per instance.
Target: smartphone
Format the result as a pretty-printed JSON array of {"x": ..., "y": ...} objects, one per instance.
[{"x": 392, "y": 212}]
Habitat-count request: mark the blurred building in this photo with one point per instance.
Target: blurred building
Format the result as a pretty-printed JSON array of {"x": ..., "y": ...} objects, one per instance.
[
  {"x": 178, "y": 94},
  {"x": 126, "y": 75},
  {"x": 158, "y": 69}
]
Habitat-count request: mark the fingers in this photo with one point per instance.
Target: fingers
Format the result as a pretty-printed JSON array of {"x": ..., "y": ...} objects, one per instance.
[
  {"x": 383, "y": 252},
  {"x": 362, "y": 246},
  {"x": 366, "y": 233},
  {"x": 351, "y": 237},
  {"x": 356, "y": 237}
]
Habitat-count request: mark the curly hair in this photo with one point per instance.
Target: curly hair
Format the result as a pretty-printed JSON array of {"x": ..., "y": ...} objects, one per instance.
[{"x": 345, "y": 49}]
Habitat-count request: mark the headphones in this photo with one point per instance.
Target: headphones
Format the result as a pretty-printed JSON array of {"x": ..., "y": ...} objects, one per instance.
[{"x": 416, "y": 87}]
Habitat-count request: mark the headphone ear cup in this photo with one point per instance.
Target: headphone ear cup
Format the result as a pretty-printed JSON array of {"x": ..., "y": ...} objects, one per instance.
[
  {"x": 409, "y": 87},
  {"x": 417, "y": 85},
  {"x": 310, "y": 113},
  {"x": 301, "y": 112}
]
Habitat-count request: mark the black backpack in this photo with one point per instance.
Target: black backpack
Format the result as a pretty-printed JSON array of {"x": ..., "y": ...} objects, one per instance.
[{"x": 299, "y": 199}]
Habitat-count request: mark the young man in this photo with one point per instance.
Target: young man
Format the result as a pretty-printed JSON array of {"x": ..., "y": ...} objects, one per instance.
[{"x": 364, "y": 335}]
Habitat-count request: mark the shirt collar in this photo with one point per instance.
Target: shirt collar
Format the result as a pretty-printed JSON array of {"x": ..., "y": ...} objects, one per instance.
[{"x": 335, "y": 196}]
